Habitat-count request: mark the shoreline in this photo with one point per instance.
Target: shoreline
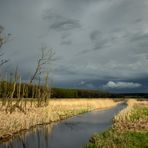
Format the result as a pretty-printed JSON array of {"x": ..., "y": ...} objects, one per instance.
[
  {"x": 127, "y": 127},
  {"x": 7, "y": 137}
]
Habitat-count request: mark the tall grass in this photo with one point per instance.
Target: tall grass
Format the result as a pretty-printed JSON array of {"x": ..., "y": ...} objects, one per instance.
[
  {"x": 54, "y": 111},
  {"x": 133, "y": 117},
  {"x": 129, "y": 130},
  {"x": 126, "y": 113},
  {"x": 13, "y": 87}
]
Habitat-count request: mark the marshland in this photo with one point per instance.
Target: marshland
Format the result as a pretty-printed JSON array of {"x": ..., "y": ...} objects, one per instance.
[
  {"x": 129, "y": 129},
  {"x": 25, "y": 105},
  {"x": 73, "y": 73}
]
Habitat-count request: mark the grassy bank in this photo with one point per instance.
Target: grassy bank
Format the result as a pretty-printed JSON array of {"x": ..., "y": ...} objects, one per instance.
[
  {"x": 11, "y": 123},
  {"x": 130, "y": 129}
]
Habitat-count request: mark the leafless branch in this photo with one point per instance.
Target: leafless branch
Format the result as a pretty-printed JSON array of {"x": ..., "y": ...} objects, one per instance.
[{"x": 45, "y": 58}]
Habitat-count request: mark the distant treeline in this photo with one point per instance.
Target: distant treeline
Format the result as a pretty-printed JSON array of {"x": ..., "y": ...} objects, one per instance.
[
  {"x": 78, "y": 93},
  {"x": 132, "y": 95},
  {"x": 24, "y": 90}
]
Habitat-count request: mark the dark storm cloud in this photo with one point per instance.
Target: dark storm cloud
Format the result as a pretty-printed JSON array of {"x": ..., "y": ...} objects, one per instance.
[
  {"x": 139, "y": 42},
  {"x": 100, "y": 44},
  {"x": 94, "y": 39},
  {"x": 60, "y": 23},
  {"x": 94, "y": 35},
  {"x": 65, "y": 24},
  {"x": 99, "y": 41},
  {"x": 68, "y": 42},
  {"x": 84, "y": 1},
  {"x": 138, "y": 20},
  {"x": 140, "y": 37},
  {"x": 65, "y": 35}
]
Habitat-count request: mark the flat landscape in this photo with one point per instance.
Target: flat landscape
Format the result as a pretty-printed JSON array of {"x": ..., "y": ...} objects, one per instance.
[
  {"x": 59, "y": 109},
  {"x": 73, "y": 73}
]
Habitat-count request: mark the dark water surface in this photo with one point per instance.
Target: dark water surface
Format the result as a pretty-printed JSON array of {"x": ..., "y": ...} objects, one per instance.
[{"x": 70, "y": 133}]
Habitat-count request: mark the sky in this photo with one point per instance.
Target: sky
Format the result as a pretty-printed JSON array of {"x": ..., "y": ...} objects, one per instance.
[{"x": 98, "y": 44}]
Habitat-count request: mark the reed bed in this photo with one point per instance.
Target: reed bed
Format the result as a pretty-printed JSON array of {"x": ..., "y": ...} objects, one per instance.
[
  {"x": 11, "y": 123},
  {"x": 125, "y": 113},
  {"x": 133, "y": 117},
  {"x": 129, "y": 130}
]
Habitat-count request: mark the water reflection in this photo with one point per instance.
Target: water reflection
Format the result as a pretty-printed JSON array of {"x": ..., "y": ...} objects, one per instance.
[
  {"x": 71, "y": 133},
  {"x": 35, "y": 138}
]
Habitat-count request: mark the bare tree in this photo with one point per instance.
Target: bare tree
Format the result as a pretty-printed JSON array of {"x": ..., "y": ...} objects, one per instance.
[{"x": 45, "y": 58}]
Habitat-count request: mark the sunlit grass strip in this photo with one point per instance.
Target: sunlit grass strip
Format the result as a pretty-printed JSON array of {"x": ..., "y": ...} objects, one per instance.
[
  {"x": 55, "y": 111},
  {"x": 133, "y": 117},
  {"x": 112, "y": 139},
  {"x": 125, "y": 113},
  {"x": 129, "y": 130}
]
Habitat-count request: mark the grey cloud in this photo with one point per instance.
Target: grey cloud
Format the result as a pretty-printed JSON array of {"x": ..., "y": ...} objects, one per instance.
[
  {"x": 139, "y": 42},
  {"x": 101, "y": 39},
  {"x": 65, "y": 24},
  {"x": 65, "y": 35},
  {"x": 98, "y": 40},
  {"x": 62, "y": 69},
  {"x": 94, "y": 35},
  {"x": 80, "y": 3},
  {"x": 85, "y": 1},
  {"x": 138, "y": 20},
  {"x": 86, "y": 84},
  {"x": 60, "y": 23},
  {"x": 139, "y": 37},
  {"x": 100, "y": 44},
  {"x": 68, "y": 42},
  {"x": 82, "y": 52}
]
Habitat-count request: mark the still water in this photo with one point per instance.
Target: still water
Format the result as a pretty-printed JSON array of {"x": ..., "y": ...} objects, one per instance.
[{"x": 71, "y": 133}]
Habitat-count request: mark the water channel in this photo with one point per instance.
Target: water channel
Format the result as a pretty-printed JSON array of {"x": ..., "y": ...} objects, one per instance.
[{"x": 71, "y": 133}]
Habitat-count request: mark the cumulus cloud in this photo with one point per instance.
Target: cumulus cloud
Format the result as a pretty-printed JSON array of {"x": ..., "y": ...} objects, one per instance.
[{"x": 122, "y": 85}]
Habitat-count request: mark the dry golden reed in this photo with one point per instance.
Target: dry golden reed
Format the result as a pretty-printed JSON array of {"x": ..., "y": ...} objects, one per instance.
[
  {"x": 125, "y": 113},
  {"x": 57, "y": 109},
  {"x": 124, "y": 120}
]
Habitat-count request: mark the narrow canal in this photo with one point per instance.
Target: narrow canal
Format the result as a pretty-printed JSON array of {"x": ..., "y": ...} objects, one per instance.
[{"x": 71, "y": 133}]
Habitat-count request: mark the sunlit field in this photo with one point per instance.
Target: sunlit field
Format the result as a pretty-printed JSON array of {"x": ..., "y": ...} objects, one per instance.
[
  {"x": 29, "y": 115},
  {"x": 130, "y": 128}
]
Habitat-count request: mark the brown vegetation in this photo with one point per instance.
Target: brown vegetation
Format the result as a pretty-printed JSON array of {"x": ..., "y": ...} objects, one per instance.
[
  {"x": 56, "y": 110},
  {"x": 130, "y": 128},
  {"x": 131, "y": 118}
]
